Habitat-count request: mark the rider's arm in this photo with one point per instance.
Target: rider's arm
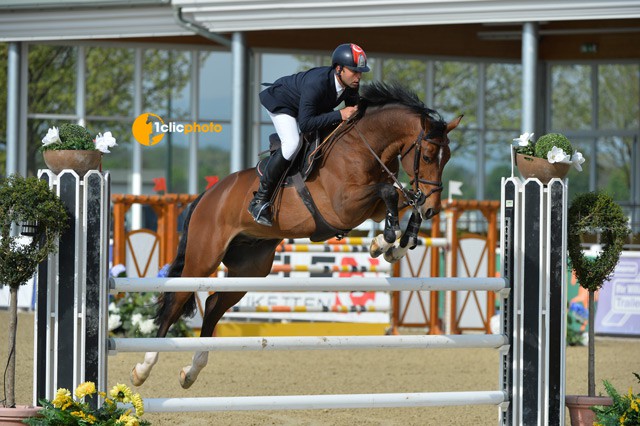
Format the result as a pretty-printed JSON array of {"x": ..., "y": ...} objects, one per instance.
[{"x": 309, "y": 117}]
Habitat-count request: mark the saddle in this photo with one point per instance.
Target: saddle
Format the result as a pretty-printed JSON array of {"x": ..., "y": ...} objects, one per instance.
[{"x": 301, "y": 167}]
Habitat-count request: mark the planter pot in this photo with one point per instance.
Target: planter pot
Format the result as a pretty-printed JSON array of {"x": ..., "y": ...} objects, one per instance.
[
  {"x": 80, "y": 161},
  {"x": 541, "y": 168},
  {"x": 579, "y": 411},
  {"x": 15, "y": 416}
]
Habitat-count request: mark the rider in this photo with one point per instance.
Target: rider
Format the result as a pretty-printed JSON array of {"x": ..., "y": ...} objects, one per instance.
[{"x": 305, "y": 102}]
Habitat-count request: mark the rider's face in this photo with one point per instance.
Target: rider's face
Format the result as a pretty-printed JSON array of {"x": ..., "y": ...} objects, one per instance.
[{"x": 350, "y": 78}]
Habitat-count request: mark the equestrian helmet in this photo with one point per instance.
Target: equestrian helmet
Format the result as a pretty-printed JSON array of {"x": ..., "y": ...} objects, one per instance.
[{"x": 351, "y": 56}]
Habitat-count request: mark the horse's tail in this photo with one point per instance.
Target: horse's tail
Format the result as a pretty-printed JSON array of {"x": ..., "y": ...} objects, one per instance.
[{"x": 165, "y": 300}]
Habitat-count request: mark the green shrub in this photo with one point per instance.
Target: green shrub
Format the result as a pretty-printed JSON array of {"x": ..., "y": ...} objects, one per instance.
[
  {"x": 72, "y": 136},
  {"x": 548, "y": 141}
]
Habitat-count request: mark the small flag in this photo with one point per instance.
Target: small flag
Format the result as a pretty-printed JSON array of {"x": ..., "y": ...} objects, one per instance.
[
  {"x": 211, "y": 180},
  {"x": 160, "y": 184},
  {"x": 454, "y": 188}
]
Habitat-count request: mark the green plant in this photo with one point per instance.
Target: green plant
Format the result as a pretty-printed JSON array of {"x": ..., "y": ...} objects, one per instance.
[
  {"x": 65, "y": 410},
  {"x": 132, "y": 314},
  {"x": 553, "y": 147},
  {"x": 590, "y": 213},
  {"x": 75, "y": 137},
  {"x": 546, "y": 143},
  {"x": 625, "y": 409},
  {"x": 32, "y": 218}
]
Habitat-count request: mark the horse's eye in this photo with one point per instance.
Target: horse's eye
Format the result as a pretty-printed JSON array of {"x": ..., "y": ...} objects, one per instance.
[{"x": 427, "y": 159}]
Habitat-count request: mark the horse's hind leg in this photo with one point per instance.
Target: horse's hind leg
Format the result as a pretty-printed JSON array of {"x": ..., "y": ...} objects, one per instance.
[{"x": 242, "y": 260}]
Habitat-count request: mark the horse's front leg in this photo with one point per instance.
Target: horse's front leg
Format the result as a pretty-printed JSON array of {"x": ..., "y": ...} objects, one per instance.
[
  {"x": 383, "y": 242},
  {"x": 408, "y": 241}
]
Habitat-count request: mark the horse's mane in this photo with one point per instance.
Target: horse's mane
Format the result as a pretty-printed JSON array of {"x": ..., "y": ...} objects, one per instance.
[{"x": 378, "y": 94}]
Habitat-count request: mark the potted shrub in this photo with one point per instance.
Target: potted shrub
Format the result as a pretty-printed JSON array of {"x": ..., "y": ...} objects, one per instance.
[
  {"x": 550, "y": 157},
  {"x": 72, "y": 147},
  {"x": 593, "y": 213},
  {"x": 625, "y": 409},
  {"x": 32, "y": 218}
]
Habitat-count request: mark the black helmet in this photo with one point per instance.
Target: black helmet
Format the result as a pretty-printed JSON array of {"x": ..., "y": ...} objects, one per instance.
[{"x": 351, "y": 56}]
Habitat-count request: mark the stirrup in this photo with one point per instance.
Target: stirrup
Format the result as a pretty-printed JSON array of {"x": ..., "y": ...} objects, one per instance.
[{"x": 259, "y": 218}]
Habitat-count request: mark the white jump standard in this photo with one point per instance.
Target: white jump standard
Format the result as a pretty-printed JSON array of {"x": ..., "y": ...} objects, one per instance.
[{"x": 72, "y": 343}]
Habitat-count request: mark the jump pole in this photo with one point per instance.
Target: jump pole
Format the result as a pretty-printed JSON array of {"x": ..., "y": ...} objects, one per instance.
[{"x": 73, "y": 291}]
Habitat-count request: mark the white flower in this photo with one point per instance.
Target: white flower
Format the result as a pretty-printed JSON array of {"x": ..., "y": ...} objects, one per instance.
[
  {"x": 524, "y": 139},
  {"x": 136, "y": 319},
  {"x": 114, "y": 322},
  {"x": 577, "y": 159},
  {"x": 104, "y": 142},
  {"x": 557, "y": 155},
  {"x": 118, "y": 269},
  {"x": 147, "y": 326},
  {"x": 52, "y": 137},
  {"x": 113, "y": 308}
]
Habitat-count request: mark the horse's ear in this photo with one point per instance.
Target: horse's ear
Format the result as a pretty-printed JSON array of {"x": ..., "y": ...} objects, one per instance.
[{"x": 453, "y": 124}]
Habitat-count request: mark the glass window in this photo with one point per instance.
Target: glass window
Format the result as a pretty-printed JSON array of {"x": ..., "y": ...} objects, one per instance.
[
  {"x": 579, "y": 181},
  {"x": 571, "y": 97},
  {"x": 410, "y": 73},
  {"x": 52, "y": 79},
  {"x": 456, "y": 91},
  {"x": 462, "y": 166},
  {"x": 497, "y": 161},
  {"x": 614, "y": 173},
  {"x": 503, "y": 96},
  {"x": 618, "y": 96},
  {"x": 109, "y": 81},
  {"x": 215, "y": 86},
  {"x": 118, "y": 161},
  {"x": 214, "y": 155},
  {"x": 166, "y": 84}
]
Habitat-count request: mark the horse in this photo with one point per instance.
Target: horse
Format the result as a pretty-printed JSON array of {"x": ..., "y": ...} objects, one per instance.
[{"x": 357, "y": 180}]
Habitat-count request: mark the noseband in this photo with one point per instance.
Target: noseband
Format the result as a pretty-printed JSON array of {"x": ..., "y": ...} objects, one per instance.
[{"x": 415, "y": 197}]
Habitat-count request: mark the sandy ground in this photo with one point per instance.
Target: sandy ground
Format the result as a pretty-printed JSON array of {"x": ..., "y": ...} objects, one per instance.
[{"x": 335, "y": 372}]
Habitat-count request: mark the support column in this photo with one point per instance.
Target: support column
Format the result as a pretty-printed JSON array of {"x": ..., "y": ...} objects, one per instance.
[
  {"x": 239, "y": 107},
  {"x": 13, "y": 107},
  {"x": 529, "y": 67}
]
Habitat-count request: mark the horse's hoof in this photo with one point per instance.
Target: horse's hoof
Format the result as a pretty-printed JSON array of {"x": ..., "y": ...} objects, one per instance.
[
  {"x": 375, "y": 250},
  {"x": 185, "y": 378},
  {"x": 135, "y": 379},
  {"x": 390, "y": 257}
]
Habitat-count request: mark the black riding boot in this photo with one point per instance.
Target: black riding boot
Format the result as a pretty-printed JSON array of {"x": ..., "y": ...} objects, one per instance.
[{"x": 260, "y": 206}]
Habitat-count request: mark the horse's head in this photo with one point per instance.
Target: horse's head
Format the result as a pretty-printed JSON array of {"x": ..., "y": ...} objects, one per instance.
[{"x": 424, "y": 159}]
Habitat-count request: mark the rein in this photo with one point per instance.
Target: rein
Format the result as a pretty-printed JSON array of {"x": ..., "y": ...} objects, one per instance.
[{"x": 415, "y": 198}]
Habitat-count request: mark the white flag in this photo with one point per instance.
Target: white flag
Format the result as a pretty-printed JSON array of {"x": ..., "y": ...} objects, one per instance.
[{"x": 454, "y": 188}]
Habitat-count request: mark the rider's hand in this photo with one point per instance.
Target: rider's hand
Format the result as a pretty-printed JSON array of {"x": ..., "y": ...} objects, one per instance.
[{"x": 347, "y": 112}]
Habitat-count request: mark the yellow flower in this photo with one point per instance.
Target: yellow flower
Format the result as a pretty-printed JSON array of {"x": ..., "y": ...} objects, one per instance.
[
  {"x": 84, "y": 389},
  {"x": 136, "y": 400},
  {"x": 121, "y": 393},
  {"x": 102, "y": 394},
  {"x": 62, "y": 398},
  {"x": 88, "y": 418},
  {"x": 634, "y": 404},
  {"x": 128, "y": 420}
]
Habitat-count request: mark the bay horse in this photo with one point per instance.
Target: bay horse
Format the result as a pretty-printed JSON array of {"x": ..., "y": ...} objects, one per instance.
[{"x": 356, "y": 181}]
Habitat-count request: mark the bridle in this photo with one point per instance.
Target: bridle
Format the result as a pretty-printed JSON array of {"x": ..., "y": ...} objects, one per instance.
[
  {"x": 415, "y": 197},
  {"x": 417, "y": 145}
]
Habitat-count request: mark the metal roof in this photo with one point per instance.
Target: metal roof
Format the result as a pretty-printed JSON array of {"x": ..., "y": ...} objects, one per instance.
[{"x": 73, "y": 19}]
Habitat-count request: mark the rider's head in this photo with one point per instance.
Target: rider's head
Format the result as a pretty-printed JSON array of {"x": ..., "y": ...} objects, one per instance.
[{"x": 350, "y": 56}]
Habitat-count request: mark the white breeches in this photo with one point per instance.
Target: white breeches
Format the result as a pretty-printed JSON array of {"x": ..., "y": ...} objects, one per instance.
[{"x": 287, "y": 129}]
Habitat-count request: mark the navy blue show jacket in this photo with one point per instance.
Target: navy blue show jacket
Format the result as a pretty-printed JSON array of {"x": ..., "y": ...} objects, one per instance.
[{"x": 310, "y": 97}]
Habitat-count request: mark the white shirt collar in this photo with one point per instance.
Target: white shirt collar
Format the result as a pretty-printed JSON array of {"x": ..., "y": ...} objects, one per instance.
[{"x": 339, "y": 88}]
